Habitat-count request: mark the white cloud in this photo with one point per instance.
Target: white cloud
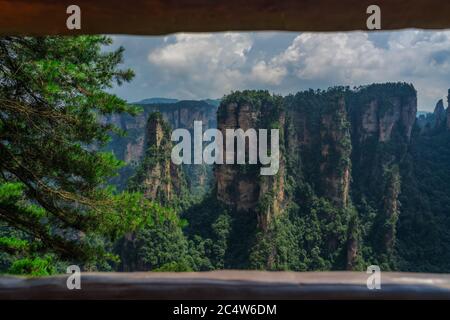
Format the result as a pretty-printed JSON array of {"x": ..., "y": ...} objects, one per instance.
[
  {"x": 210, "y": 65},
  {"x": 341, "y": 57},
  {"x": 263, "y": 73},
  {"x": 212, "y": 50},
  {"x": 420, "y": 57}
]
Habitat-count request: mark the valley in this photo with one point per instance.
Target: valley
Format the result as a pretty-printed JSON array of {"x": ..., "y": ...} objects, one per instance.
[{"x": 351, "y": 176}]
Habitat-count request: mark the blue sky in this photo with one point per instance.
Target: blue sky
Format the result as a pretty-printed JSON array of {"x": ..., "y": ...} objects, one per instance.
[{"x": 209, "y": 65}]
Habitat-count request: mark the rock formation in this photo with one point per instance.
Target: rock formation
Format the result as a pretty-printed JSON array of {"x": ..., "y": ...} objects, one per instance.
[
  {"x": 181, "y": 114},
  {"x": 339, "y": 179},
  {"x": 346, "y": 145},
  {"x": 241, "y": 186},
  {"x": 157, "y": 176},
  {"x": 440, "y": 115},
  {"x": 319, "y": 139},
  {"x": 383, "y": 117}
]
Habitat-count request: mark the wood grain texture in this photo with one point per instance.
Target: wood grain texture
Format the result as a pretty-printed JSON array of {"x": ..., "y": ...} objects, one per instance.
[
  {"x": 157, "y": 17},
  {"x": 229, "y": 285}
]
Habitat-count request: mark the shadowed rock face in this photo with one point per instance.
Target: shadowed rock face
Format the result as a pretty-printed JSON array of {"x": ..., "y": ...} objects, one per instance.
[
  {"x": 335, "y": 143},
  {"x": 241, "y": 186},
  {"x": 156, "y": 17},
  {"x": 321, "y": 129},
  {"x": 345, "y": 145},
  {"x": 319, "y": 136},
  {"x": 378, "y": 123},
  {"x": 440, "y": 115},
  {"x": 233, "y": 188},
  {"x": 382, "y": 125}
]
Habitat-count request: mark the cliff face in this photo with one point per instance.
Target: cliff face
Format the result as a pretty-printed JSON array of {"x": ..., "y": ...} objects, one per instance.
[
  {"x": 440, "y": 115},
  {"x": 322, "y": 129},
  {"x": 319, "y": 143},
  {"x": 382, "y": 122},
  {"x": 340, "y": 159},
  {"x": 156, "y": 176},
  {"x": 181, "y": 114},
  {"x": 383, "y": 117},
  {"x": 240, "y": 186},
  {"x": 378, "y": 116},
  {"x": 348, "y": 159},
  {"x": 335, "y": 153}
]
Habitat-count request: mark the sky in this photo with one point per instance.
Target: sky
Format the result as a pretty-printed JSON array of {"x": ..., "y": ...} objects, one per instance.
[{"x": 209, "y": 65}]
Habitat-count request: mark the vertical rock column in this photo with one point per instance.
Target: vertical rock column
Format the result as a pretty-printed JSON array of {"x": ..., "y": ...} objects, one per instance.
[{"x": 240, "y": 186}]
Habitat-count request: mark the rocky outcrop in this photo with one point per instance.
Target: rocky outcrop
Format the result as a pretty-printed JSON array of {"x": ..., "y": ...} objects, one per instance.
[
  {"x": 241, "y": 187},
  {"x": 181, "y": 114},
  {"x": 440, "y": 115},
  {"x": 335, "y": 149},
  {"x": 383, "y": 116},
  {"x": 382, "y": 119},
  {"x": 437, "y": 121},
  {"x": 335, "y": 141},
  {"x": 233, "y": 188},
  {"x": 157, "y": 177},
  {"x": 340, "y": 154},
  {"x": 318, "y": 140},
  {"x": 379, "y": 117}
]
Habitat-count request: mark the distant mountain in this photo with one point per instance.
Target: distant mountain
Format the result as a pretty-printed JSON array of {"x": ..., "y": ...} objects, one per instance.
[{"x": 156, "y": 100}]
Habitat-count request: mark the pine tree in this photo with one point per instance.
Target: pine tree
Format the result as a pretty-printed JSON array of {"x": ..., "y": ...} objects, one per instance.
[{"x": 53, "y": 183}]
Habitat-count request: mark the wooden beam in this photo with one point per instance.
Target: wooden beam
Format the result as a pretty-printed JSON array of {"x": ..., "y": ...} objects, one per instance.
[
  {"x": 229, "y": 285},
  {"x": 157, "y": 17}
]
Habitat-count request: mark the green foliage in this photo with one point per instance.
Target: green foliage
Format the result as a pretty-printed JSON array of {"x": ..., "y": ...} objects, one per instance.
[
  {"x": 154, "y": 247},
  {"x": 11, "y": 244},
  {"x": 56, "y": 205},
  {"x": 52, "y": 183},
  {"x": 156, "y": 165},
  {"x": 259, "y": 100},
  {"x": 209, "y": 235},
  {"x": 318, "y": 230},
  {"x": 424, "y": 221},
  {"x": 34, "y": 266},
  {"x": 174, "y": 267}
]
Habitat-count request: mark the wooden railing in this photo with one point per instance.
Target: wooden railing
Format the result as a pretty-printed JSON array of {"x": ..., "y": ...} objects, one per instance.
[
  {"x": 154, "y": 17},
  {"x": 229, "y": 285}
]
